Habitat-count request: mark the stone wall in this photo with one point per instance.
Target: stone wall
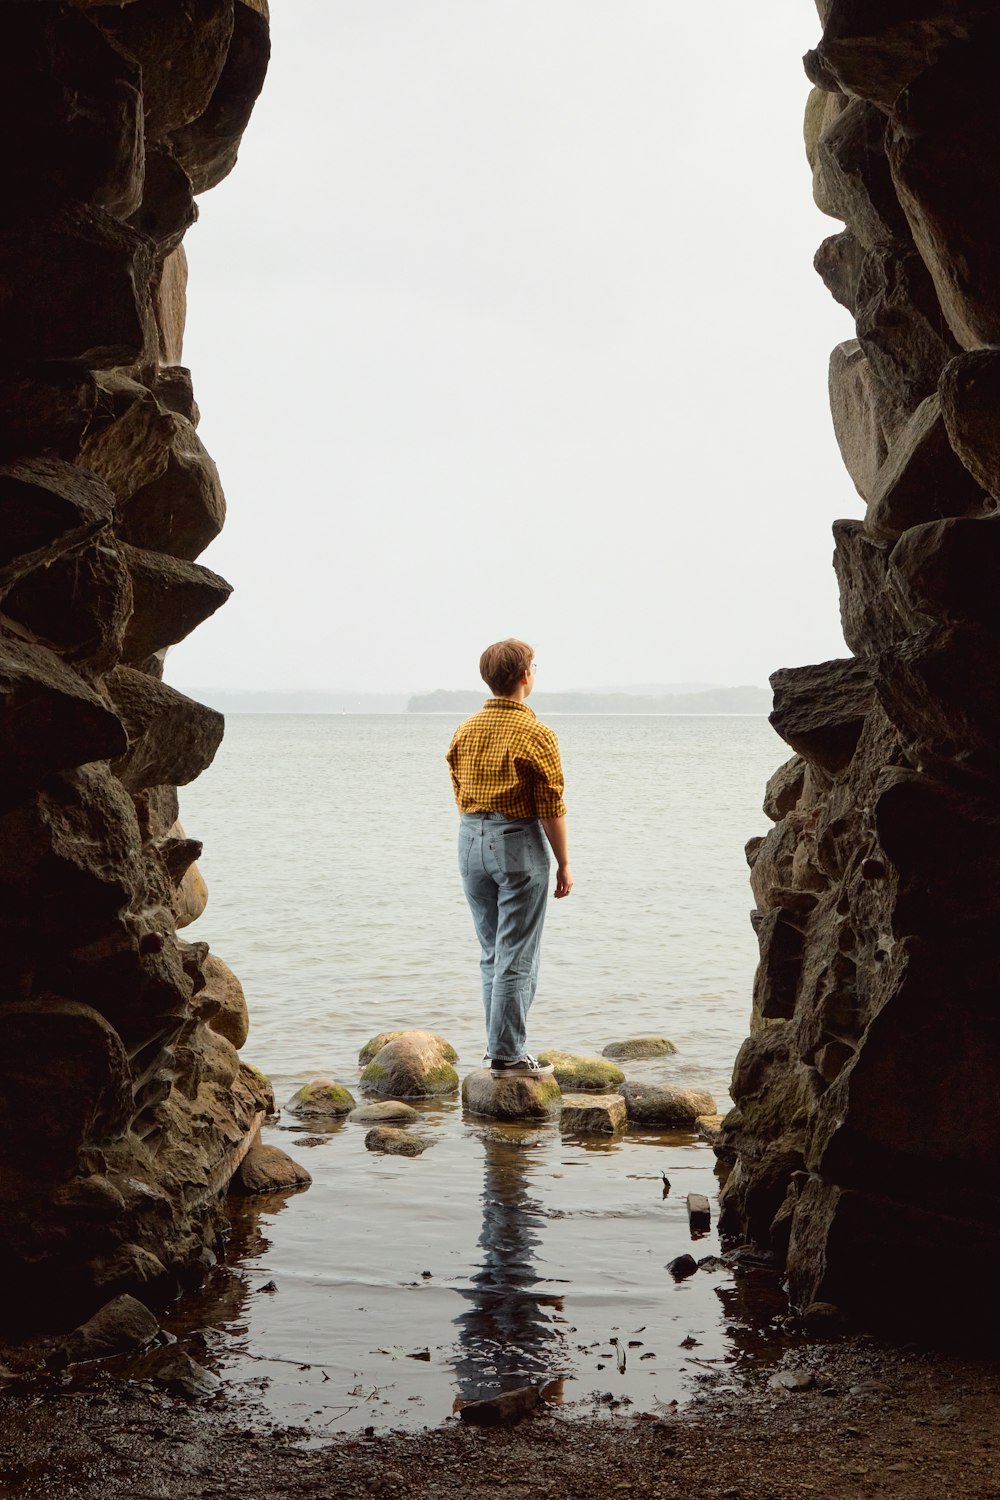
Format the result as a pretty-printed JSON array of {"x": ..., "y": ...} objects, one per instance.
[
  {"x": 123, "y": 1101},
  {"x": 866, "y": 1122}
]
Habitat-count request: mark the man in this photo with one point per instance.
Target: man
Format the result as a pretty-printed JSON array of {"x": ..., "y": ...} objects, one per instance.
[{"x": 508, "y": 784}]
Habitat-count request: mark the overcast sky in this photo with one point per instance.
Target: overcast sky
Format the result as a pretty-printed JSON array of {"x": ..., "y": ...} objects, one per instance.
[{"x": 506, "y": 324}]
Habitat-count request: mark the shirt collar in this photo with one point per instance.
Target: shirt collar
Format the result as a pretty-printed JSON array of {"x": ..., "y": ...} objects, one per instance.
[{"x": 509, "y": 703}]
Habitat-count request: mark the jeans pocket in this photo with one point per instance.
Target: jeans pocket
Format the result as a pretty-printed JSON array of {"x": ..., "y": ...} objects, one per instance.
[
  {"x": 465, "y": 843},
  {"x": 519, "y": 850}
]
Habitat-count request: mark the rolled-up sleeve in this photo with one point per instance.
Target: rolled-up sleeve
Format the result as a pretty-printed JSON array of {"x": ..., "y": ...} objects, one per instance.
[
  {"x": 452, "y": 759},
  {"x": 548, "y": 774}
]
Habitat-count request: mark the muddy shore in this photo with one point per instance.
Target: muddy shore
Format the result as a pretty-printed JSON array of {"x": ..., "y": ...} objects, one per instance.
[{"x": 864, "y": 1419}]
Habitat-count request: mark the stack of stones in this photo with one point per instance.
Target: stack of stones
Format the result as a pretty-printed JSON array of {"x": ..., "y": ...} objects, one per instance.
[
  {"x": 123, "y": 1103},
  {"x": 866, "y": 1127}
]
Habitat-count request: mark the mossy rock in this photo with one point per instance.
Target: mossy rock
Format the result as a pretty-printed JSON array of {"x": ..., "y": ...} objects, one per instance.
[
  {"x": 375, "y": 1045},
  {"x": 517, "y": 1099},
  {"x": 321, "y": 1098},
  {"x": 581, "y": 1073},
  {"x": 662, "y": 1104},
  {"x": 639, "y": 1046},
  {"x": 415, "y": 1065}
]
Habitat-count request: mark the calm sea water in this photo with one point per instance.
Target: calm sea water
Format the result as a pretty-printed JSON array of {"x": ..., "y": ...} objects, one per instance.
[{"x": 330, "y": 860}]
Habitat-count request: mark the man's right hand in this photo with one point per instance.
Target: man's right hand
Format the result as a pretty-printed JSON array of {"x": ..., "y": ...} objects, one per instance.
[{"x": 564, "y": 881}]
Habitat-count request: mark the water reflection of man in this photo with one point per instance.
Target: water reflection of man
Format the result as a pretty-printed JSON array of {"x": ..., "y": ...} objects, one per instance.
[
  {"x": 508, "y": 784},
  {"x": 506, "y": 1338}
]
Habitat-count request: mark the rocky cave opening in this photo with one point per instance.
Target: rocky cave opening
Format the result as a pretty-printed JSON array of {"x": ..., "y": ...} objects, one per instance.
[{"x": 865, "y": 1129}]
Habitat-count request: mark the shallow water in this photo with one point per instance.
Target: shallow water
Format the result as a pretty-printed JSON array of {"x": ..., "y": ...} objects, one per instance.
[{"x": 334, "y": 894}]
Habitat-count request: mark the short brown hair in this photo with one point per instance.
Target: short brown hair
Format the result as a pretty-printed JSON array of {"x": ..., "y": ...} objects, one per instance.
[{"x": 502, "y": 665}]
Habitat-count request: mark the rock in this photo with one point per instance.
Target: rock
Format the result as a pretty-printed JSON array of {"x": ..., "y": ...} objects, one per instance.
[
  {"x": 502, "y": 1410},
  {"x": 78, "y": 603},
  {"x": 682, "y": 1266},
  {"x": 48, "y": 507},
  {"x": 64, "y": 1080},
  {"x": 573, "y": 1072},
  {"x": 50, "y": 718},
  {"x": 793, "y": 1380},
  {"x": 168, "y": 208},
  {"x": 91, "y": 152},
  {"x": 376, "y": 1043},
  {"x": 47, "y": 410},
  {"x": 414, "y": 1065},
  {"x": 121, "y": 1325},
  {"x": 784, "y": 789},
  {"x": 208, "y": 144},
  {"x": 171, "y": 738},
  {"x": 852, "y": 174},
  {"x": 969, "y": 390},
  {"x": 169, "y": 598},
  {"x": 947, "y": 569},
  {"x": 866, "y": 415},
  {"x": 177, "y": 1372},
  {"x": 873, "y": 612},
  {"x": 699, "y": 1212},
  {"x": 899, "y": 323},
  {"x": 943, "y": 190},
  {"x": 157, "y": 35},
  {"x": 662, "y": 1104},
  {"x": 876, "y": 48},
  {"x": 709, "y": 1128},
  {"x": 838, "y": 261},
  {"x": 512, "y": 1099},
  {"x": 639, "y": 1046},
  {"x": 823, "y": 1318},
  {"x": 76, "y": 284},
  {"x": 922, "y": 477},
  {"x": 170, "y": 313},
  {"x": 231, "y": 1020},
  {"x": 819, "y": 711},
  {"x": 593, "y": 1114},
  {"x": 393, "y": 1141},
  {"x": 321, "y": 1098},
  {"x": 169, "y": 498},
  {"x": 383, "y": 1112},
  {"x": 173, "y": 389},
  {"x": 267, "y": 1169},
  {"x": 190, "y": 897}
]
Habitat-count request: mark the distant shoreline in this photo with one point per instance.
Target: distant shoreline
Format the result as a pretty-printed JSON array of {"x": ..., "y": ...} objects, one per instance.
[{"x": 737, "y": 702}]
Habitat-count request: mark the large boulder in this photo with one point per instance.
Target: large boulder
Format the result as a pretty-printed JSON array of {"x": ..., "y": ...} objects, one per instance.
[
  {"x": 376, "y": 1043},
  {"x": 576, "y": 1072},
  {"x": 207, "y": 146},
  {"x": 662, "y": 1104},
  {"x": 511, "y": 1098},
  {"x": 415, "y": 1065},
  {"x": 46, "y": 507}
]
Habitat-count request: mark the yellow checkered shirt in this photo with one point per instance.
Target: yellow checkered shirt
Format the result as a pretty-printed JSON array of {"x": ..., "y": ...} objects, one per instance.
[{"x": 503, "y": 760}]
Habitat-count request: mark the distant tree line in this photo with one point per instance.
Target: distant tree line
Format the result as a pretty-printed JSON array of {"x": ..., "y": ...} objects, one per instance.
[{"x": 737, "y": 700}]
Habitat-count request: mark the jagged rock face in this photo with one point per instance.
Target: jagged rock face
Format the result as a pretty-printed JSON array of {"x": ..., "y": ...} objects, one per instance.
[
  {"x": 124, "y": 1107},
  {"x": 865, "y": 1126}
]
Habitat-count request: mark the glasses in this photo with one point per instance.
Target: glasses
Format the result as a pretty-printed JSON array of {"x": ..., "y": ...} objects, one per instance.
[{"x": 534, "y": 668}]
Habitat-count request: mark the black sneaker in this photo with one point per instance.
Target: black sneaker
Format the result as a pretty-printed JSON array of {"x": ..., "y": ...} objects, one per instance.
[{"x": 525, "y": 1067}]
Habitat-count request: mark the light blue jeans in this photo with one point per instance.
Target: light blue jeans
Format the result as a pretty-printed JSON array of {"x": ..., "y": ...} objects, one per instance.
[{"x": 504, "y": 864}]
